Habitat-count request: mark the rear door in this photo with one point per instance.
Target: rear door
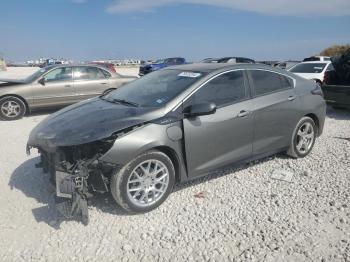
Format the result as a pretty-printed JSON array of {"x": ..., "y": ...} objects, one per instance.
[
  {"x": 57, "y": 89},
  {"x": 90, "y": 81},
  {"x": 275, "y": 110},
  {"x": 212, "y": 141}
]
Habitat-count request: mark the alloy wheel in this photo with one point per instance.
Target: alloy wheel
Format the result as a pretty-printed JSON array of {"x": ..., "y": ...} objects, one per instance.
[
  {"x": 305, "y": 138},
  {"x": 11, "y": 109},
  {"x": 147, "y": 183}
]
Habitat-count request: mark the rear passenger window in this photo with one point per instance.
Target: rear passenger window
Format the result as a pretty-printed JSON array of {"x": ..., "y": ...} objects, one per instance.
[
  {"x": 87, "y": 73},
  {"x": 266, "y": 82},
  {"x": 222, "y": 90}
]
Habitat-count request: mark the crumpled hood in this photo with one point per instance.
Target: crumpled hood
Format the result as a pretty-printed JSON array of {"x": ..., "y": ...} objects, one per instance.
[{"x": 88, "y": 121}]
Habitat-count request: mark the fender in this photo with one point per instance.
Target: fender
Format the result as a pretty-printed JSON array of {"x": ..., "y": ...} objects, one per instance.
[{"x": 138, "y": 141}]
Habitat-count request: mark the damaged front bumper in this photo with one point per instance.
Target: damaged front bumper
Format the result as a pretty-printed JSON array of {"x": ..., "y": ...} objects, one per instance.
[{"x": 77, "y": 174}]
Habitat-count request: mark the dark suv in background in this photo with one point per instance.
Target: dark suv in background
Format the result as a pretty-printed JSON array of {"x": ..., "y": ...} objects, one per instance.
[{"x": 161, "y": 63}]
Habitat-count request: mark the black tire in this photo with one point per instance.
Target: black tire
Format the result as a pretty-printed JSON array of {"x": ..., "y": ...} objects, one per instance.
[
  {"x": 19, "y": 109},
  {"x": 119, "y": 181},
  {"x": 293, "y": 150}
]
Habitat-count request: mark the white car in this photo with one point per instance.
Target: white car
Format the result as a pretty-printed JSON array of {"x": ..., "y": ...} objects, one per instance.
[
  {"x": 317, "y": 58},
  {"x": 314, "y": 70}
]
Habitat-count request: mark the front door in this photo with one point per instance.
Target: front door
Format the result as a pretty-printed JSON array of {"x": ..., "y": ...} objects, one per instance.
[
  {"x": 213, "y": 141},
  {"x": 56, "y": 89}
]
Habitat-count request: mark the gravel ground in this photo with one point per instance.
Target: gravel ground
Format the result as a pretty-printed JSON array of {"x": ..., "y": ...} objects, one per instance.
[{"x": 234, "y": 214}]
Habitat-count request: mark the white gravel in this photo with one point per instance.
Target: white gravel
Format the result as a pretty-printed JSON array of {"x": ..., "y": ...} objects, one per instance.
[{"x": 243, "y": 214}]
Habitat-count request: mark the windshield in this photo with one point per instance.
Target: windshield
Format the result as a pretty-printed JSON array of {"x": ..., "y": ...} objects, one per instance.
[
  {"x": 308, "y": 68},
  {"x": 37, "y": 74},
  {"x": 155, "y": 89}
]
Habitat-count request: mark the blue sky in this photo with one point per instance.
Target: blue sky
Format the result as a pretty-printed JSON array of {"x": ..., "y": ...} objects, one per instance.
[{"x": 194, "y": 29}]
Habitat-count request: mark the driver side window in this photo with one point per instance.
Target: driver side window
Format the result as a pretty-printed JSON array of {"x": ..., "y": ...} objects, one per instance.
[
  {"x": 223, "y": 90},
  {"x": 59, "y": 74}
]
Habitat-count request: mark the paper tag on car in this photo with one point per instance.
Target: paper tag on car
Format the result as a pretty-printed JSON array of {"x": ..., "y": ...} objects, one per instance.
[{"x": 189, "y": 74}]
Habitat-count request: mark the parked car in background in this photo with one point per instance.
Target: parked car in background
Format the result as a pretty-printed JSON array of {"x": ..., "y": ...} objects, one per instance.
[
  {"x": 55, "y": 86},
  {"x": 234, "y": 60},
  {"x": 336, "y": 83},
  {"x": 209, "y": 60},
  {"x": 159, "y": 64},
  {"x": 175, "y": 125},
  {"x": 109, "y": 66},
  {"x": 312, "y": 70},
  {"x": 286, "y": 64},
  {"x": 317, "y": 58}
]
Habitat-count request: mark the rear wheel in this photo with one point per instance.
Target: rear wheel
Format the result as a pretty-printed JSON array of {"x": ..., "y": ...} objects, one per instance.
[
  {"x": 144, "y": 183},
  {"x": 303, "y": 139},
  {"x": 11, "y": 108}
]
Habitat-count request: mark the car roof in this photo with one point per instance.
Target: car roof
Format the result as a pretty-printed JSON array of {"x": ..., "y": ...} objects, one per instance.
[
  {"x": 316, "y": 62},
  {"x": 74, "y": 65},
  {"x": 210, "y": 67}
]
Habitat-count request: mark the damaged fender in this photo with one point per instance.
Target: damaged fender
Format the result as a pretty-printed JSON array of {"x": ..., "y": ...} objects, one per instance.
[{"x": 150, "y": 136}]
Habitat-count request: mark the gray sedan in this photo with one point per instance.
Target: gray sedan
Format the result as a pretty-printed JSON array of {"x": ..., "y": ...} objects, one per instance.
[
  {"x": 174, "y": 125},
  {"x": 55, "y": 86}
]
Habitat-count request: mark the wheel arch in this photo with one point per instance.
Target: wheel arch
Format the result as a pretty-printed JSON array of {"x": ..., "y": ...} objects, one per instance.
[
  {"x": 316, "y": 120},
  {"x": 19, "y": 97},
  {"x": 171, "y": 153},
  {"x": 139, "y": 141}
]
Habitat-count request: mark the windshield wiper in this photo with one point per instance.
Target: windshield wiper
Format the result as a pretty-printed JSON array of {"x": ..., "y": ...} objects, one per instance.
[{"x": 122, "y": 101}]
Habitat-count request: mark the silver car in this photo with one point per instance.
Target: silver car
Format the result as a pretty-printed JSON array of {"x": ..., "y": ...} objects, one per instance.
[
  {"x": 55, "y": 86},
  {"x": 174, "y": 125}
]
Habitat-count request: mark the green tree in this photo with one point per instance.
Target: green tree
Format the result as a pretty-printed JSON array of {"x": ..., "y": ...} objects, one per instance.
[{"x": 335, "y": 50}]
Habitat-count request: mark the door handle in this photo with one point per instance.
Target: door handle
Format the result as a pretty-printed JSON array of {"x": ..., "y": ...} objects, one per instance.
[
  {"x": 67, "y": 86},
  {"x": 103, "y": 83},
  {"x": 243, "y": 113},
  {"x": 291, "y": 98}
]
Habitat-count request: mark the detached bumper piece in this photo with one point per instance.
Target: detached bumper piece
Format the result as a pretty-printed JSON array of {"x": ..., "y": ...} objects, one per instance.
[
  {"x": 71, "y": 201},
  {"x": 75, "y": 208},
  {"x": 77, "y": 175}
]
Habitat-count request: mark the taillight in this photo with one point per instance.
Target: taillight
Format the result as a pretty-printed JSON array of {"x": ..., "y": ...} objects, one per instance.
[{"x": 326, "y": 77}]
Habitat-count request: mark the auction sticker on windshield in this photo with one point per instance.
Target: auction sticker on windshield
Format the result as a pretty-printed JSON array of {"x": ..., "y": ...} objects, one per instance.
[{"x": 189, "y": 74}]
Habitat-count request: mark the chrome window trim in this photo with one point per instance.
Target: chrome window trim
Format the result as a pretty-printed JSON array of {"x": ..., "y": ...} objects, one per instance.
[
  {"x": 267, "y": 70},
  {"x": 190, "y": 94},
  {"x": 232, "y": 70}
]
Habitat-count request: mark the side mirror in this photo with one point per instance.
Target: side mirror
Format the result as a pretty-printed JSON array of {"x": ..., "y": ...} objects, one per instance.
[
  {"x": 42, "y": 81},
  {"x": 200, "y": 109}
]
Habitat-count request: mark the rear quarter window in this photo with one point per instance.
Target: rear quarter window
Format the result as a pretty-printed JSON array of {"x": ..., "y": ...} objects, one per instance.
[
  {"x": 266, "y": 82},
  {"x": 105, "y": 73}
]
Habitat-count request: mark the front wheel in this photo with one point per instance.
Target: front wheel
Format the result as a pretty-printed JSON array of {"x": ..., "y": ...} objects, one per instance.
[
  {"x": 144, "y": 183},
  {"x": 11, "y": 108},
  {"x": 303, "y": 139}
]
